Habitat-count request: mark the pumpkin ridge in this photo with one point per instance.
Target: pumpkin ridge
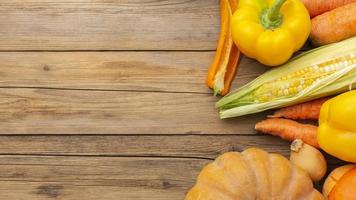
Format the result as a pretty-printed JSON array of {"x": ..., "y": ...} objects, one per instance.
[{"x": 253, "y": 174}]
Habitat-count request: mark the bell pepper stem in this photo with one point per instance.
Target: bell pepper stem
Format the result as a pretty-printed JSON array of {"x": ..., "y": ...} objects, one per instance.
[
  {"x": 271, "y": 18},
  {"x": 274, "y": 12}
]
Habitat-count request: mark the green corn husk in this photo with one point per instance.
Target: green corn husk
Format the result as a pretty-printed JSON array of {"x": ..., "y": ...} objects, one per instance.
[{"x": 320, "y": 72}]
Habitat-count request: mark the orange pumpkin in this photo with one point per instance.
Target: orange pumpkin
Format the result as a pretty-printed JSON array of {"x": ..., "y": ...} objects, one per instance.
[
  {"x": 341, "y": 183},
  {"x": 253, "y": 174}
]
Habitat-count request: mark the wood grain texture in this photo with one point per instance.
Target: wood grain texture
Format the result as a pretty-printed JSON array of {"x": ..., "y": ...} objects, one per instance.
[
  {"x": 43, "y": 111},
  {"x": 109, "y": 25},
  {"x": 73, "y": 177},
  {"x": 202, "y": 146},
  {"x": 133, "y": 123},
  {"x": 114, "y": 93},
  {"x": 170, "y": 146},
  {"x": 135, "y": 71},
  {"x": 104, "y": 178}
]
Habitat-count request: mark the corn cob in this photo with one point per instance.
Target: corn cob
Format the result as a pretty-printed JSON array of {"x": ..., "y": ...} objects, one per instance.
[{"x": 320, "y": 72}]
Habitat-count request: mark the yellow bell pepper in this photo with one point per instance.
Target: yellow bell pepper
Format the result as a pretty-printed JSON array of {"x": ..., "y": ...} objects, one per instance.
[
  {"x": 337, "y": 127},
  {"x": 270, "y": 30}
]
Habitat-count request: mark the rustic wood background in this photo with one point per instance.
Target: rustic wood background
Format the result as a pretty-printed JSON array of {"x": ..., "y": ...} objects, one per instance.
[{"x": 105, "y": 99}]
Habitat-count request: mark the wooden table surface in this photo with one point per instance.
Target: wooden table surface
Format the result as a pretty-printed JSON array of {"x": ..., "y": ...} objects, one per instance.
[{"x": 105, "y": 99}]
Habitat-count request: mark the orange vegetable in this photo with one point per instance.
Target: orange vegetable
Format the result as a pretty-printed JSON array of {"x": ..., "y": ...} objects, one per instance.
[
  {"x": 335, "y": 25},
  {"x": 225, "y": 19},
  {"x": 224, "y": 67},
  {"x": 334, "y": 177},
  {"x": 234, "y": 59},
  {"x": 289, "y": 130},
  {"x": 317, "y": 7},
  {"x": 307, "y": 110},
  {"x": 233, "y": 4},
  {"x": 345, "y": 188},
  {"x": 231, "y": 70},
  {"x": 253, "y": 174}
]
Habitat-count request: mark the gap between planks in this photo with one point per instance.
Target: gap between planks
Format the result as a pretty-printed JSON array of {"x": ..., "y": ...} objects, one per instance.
[
  {"x": 135, "y": 167},
  {"x": 163, "y": 146},
  {"x": 104, "y": 90},
  {"x": 39, "y": 177},
  {"x": 202, "y": 146},
  {"x": 179, "y": 72},
  {"x": 104, "y": 93},
  {"x": 37, "y": 111},
  {"x": 124, "y": 25},
  {"x": 33, "y": 177},
  {"x": 106, "y": 25}
]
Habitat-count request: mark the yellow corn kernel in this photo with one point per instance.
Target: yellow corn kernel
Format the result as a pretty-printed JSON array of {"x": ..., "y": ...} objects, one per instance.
[
  {"x": 263, "y": 99},
  {"x": 291, "y": 91},
  {"x": 301, "y": 79},
  {"x": 309, "y": 81},
  {"x": 280, "y": 93},
  {"x": 274, "y": 92}
]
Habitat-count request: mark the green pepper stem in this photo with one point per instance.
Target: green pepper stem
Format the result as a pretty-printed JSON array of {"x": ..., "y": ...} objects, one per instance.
[
  {"x": 272, "y": 18},
  {"x": 274, "y": 11}
]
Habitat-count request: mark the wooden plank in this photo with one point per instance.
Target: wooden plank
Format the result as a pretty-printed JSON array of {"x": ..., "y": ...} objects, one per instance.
[
  {"x": 50, "y": 111},
  {"x": 203, "y": 146},
  {"x": 109, "y": 178},
  {"x": 108, "y": 25},
  {"x": 32, "y": 111},
  {"x": 68, "y": 177},
  {"x": 138, "y": 71},
  {"x": 184, "y": 146}
]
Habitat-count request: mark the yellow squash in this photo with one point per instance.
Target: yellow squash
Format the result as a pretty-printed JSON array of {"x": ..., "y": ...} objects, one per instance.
[
  {"x": 337, "y": 126},
  {"x": 270, "y": 30}
]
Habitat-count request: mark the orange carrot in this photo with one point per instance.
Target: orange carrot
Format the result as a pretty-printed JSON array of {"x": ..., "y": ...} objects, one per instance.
[
  {"x": 307, "y": 110},
  {"x": 335, "y": 25},
  {"x": 224, "y": 67},
  {"x": 317, "y": 7},
  {"x": 289, "y": 130}
]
